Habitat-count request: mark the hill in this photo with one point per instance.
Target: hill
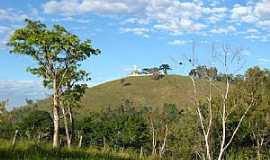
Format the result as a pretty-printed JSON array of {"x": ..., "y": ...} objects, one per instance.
[{"x": 142, "y": 91}]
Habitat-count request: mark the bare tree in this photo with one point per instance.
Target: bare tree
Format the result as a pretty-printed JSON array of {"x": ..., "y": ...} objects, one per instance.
[
  {"x": 159, "y": 140},
  {"x": 206, "y": 122}
]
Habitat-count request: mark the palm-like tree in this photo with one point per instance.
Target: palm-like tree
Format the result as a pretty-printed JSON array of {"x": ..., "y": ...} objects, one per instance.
[{"x": 165, "y": 68}]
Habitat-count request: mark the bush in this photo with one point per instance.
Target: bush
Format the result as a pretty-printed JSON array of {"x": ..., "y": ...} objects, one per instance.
[
  {"x": 37, "y": 124},
  {"x": 122, "y": 127}
]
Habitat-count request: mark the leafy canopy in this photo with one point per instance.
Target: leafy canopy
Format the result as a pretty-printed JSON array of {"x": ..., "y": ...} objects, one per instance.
[{"x": 56, "y": 51}]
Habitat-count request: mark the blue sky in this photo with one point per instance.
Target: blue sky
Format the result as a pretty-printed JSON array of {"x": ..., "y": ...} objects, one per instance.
[{"x": 136, "y": 32}]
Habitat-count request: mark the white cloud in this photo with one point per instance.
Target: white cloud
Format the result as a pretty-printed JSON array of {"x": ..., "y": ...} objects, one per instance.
[
  {"x": 243, "y": 14},
  {"x": 167, "y": 15},
  {"x": 264, "y": 60},
  {"x": 65, "y": 7},
  {"x": 12, "y": 15},
  {"x": 16, "y": 91},
  {"x": 253, "y": 37},
  {"x": 252, "y": 30},
  {"x": 5, "y": 32},
  {"x": 142, "y": 21},
  {"x": 179, "y": 42},
  {"x": 4, "y": 29},
  {"x": 137, "y": 31},
  {"x": 103, "y": 6},
  {"x": 171, "y": 16},
  {"x": 72, "y": 7},
  {"x": 71, "y": 19},
  {"x": 257, "y": 13},
  {"x": 216, "y": 14},
  {"x": 180, "y": 25},
  {"x": 262, "y": 10},
  {"x": 229, "y": 29}
]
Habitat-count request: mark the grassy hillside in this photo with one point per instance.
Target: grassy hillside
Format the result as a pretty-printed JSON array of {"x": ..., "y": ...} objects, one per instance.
[{"x": 142, "y": 91}]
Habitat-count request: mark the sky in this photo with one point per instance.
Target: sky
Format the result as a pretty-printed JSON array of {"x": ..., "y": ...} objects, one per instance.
[{"x": 142, "y": 33}]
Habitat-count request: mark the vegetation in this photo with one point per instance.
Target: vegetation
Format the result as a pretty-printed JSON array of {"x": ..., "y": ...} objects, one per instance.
[
  {"x": 58, "y": 54},
  {"x": 207, "y": 115}
]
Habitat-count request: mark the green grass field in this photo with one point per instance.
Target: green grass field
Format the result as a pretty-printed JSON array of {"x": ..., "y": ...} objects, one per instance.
[
  {"x": 28, "y": 150},
  {"x": 142, "y": 91}
]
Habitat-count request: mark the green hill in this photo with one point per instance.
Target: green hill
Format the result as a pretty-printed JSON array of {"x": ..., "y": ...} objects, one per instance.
[{"x": 142, "y": 91}]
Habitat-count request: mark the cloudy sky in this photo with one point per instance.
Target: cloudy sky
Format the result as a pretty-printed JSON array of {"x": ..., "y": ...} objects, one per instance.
[{"x": 136, "y": 32}]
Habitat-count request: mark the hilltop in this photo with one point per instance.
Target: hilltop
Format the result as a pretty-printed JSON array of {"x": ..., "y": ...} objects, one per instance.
[{"x": 142, "y": 91}]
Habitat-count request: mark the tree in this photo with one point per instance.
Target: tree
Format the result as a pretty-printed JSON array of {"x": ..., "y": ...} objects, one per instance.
[
  {"x": 227, "y": 105},
  {"x": 257, "y": 81},
  {"x": 199, "y": 72},
  {"x": 37, "y": 124},
  {"x": 165, "y": 68},
  {"x": 29, "y": 101},
  {"x": 212, "y": 73},
  {"x": 203, "y": 71},
  {"x": 154, "y": 72},
  {"x": 119, "y": 127},
  {"x": 57, "y": 53},
  {"x": 72, "y": 92},
  {"x": 3, "y": 106}
]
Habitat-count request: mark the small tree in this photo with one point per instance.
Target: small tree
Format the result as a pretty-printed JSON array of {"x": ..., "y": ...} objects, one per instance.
[
  {"x": 57, "y": 52},
  {"x": 257, "y": 81},
  {"x": 154, "y": 72},
  {"x": 37, "y": 125},
  {"x": 204, "y": 72},
  {"x": 165, "y": 68},
  {"x": 72, "y": 92},
  {"x": 3, "y": 106}
]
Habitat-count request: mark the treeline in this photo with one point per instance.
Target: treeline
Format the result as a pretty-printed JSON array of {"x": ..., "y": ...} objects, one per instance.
[
  {"x": 168, "y": 132},
  {"x": 205, "y": 72}
]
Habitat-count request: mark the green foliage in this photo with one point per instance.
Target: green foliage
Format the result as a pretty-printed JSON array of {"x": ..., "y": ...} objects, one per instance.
[
  {"x": 36, "y": 125},
  {"x": 165, "y": 68},
  {"x": 58, "y": 54},
  {"x": 3, "y": 110},
  {"x": 122, "y": 127},
  {"x": 128, "y": 126},
  {"x": 204, "y": 72},
  {"x": 55, "y": 50}
]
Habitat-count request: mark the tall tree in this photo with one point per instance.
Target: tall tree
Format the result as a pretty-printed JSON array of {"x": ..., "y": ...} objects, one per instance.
[{"x": 57, "y": 52}]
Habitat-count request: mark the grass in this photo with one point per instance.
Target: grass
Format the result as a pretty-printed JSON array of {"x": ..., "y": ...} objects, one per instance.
[
  {"x": 27, "y": 150},
  {"x": 142, "y": 91}
]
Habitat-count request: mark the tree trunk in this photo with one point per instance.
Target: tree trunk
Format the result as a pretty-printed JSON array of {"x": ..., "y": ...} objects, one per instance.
[
  {"x": 80, "y": 142},
  {"x": 162, "y": 148},
  {"x": 55, "y": 114},
  {"x": 66, "y": 127},
  {"x": 72, "y": 123},
  {"x": 14, "y": 140},
  {"x": 154, "y": 142},
  {"x": 141, "y": 153},
  {"x": 259, "y": 146},
  {"x": 258, "y": 153}
]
